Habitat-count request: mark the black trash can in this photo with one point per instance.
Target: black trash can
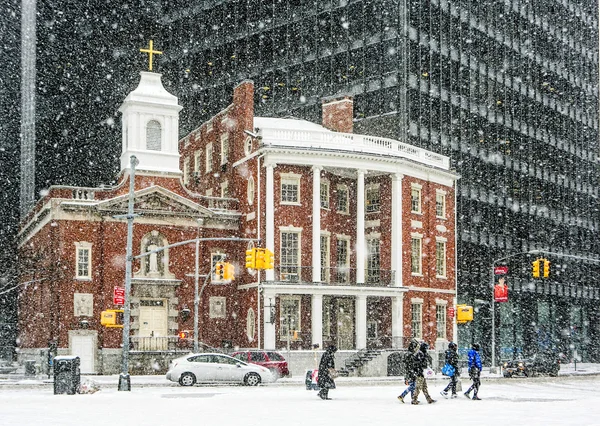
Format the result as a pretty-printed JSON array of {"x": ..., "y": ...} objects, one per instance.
[{"x": 67, "y": 378}]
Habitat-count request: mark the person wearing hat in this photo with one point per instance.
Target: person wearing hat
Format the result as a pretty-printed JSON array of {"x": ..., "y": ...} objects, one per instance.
[
  {"x": 474, "y": 371},
  {"x": 326, "y": 372},
  {"x": 452, "y": 360}
]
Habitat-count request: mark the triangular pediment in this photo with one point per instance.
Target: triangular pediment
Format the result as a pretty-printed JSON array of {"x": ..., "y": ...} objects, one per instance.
[{"x": 155, "y": 200}]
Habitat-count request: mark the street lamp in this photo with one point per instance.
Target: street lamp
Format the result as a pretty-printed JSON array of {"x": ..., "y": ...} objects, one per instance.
[
  {"x": 493, "y": 303},
  {"x": 124, "y": 381}
]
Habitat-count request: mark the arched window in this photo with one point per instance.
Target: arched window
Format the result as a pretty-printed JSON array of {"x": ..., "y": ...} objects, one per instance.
[{"x": 153, "y": 136}]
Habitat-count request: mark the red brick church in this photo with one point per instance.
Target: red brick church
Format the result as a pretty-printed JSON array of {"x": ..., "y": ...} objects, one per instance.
[{"x": 362, "y": 229}]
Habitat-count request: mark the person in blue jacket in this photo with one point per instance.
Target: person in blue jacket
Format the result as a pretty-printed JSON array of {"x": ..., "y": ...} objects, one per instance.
[
  {"x": 474, "y": 371},
  {"x": 452, "y": 359}
]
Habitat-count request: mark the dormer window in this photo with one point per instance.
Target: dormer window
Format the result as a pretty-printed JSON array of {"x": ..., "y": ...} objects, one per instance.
[{"x": 153, "y": 136}]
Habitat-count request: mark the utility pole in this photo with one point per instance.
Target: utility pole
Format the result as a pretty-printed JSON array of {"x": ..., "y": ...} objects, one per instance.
[{"x": 124, "y": 380}]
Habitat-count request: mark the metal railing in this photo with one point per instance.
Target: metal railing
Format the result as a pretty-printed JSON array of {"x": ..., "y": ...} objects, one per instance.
[
  {"x": 166, "y": 343},
  {"x": 335, "y": 276}
]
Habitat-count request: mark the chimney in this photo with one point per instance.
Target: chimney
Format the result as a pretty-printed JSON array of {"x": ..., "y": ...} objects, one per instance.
[
  {"x": 243, "y": 104},
  {"x": 338, "y": 114}
]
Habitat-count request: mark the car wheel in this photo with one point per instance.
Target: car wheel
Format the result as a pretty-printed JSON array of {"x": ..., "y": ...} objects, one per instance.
[
  {"x": 187, "y": 379},
  {"x": 252, "y": 379}
]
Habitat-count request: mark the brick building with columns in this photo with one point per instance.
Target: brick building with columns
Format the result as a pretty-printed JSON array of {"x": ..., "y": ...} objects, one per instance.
[{"x": 362, "y": 228}]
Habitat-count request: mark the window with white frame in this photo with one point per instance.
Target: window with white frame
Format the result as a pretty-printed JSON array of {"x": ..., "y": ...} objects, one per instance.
[
  {"x": 250, "y": 190},
  {"x": 153, "y": 136},
  {"x": 289, "y": 316},
  {"x": 197, "y": 160},
  {"x": 440, "y": 258},
  {"x": 209, "y": 158},
  {"x": 371, "y": 329},
  {"x": 290, "y": 255},
  {"x": 373, "y": 260},
  {"x": 415, "y": 198},
  {"x": 325, "y": 258},
  {"x": 186, "y": 171},
  {"x": 416, "y": 266},
  {"x": 372, "y": 198},
  {"x": 416, "y": 320},
  {"x": 83, "y": 260},
  {"x": 290, "y": 189},
  {"x": 343, "y": 260},
  {"x": 440, "y": 319},
  {"x": 440, "y": 204},
  {"x": 342, "y": 200},
  {"x": 217, "y": 307},
  {"x": 324, "y": 194},
  {"x": 224, "y": 148}
]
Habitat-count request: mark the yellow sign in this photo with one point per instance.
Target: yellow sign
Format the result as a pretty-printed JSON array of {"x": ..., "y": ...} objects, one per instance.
[{"x": 464, "y": 314}]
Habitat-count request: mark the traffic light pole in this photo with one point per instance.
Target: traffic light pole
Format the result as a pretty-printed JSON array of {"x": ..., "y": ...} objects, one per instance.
[{"x": 493, "y": 302}]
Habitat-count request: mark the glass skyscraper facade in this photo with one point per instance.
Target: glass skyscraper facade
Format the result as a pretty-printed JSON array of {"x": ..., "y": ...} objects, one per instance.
[{"x": 507, "y": 88}]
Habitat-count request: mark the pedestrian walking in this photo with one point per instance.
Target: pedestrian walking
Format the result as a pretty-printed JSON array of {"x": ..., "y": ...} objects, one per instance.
[
  {"x": 422, "y": 361},
  {"x": 409, "y": 374},
  {"x": 452, "y": 361},
  {"x": 474, "y": 371},
  {"x": 327, "y": 372}
]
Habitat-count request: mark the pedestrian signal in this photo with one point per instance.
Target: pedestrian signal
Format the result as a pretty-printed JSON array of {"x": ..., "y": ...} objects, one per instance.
[
  {"x": 184, "y": 334},
  {"x": 112, "y": 318}
]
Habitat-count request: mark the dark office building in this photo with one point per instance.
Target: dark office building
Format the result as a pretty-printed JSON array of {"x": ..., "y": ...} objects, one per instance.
[{"x": 507, "y": 88}]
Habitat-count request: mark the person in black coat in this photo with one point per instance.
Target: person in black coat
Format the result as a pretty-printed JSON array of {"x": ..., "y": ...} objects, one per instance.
[
  {"x": 409, "y": 373},
  {"x": 422, "y": 361},
  {"x": 452, "y": 359},
  {"x": 326, "y": 366}
]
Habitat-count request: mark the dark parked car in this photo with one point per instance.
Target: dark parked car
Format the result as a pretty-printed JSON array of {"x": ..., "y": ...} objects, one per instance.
[
  {"x": 272, "y": 360},
  {"x": 540, "y": 363}
]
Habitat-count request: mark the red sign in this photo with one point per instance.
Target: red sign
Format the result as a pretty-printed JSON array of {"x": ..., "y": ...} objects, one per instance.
[
  {"x": 119, "y": 296},
  {"x": 451, "y": 311},
  {"x": 501, "y": 270},
  {"x": 501, "y": 293}
]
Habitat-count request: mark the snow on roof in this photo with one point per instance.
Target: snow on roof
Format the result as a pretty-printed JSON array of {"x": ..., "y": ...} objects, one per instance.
[{"x": 287, "y": 124}]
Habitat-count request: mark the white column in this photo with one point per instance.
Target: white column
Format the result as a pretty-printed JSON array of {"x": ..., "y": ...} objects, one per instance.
[
  {"x": 397, "y": 321},
  {"x": 316, "y": 225},
  {"x": 361, "y": 322},
  {"x": 269, "y": 329},
  {"x": 317, "y": 320},
  {"x": 397, "y": 229},
  {"x": 360, "y": 227},
  {"x": 270, "y": 219}
]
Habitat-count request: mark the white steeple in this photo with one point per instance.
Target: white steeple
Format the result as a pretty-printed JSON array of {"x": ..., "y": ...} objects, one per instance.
[{"x": 151, "y": 127}]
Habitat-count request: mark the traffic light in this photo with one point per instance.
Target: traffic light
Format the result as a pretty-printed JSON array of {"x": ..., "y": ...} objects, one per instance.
[
  {"x": 260, "y": 258},
  {"x": 220, "y": 270},
  {"x": 251, "y": 258},
  {"x": 536, "y": 268},
  {"x": 229, "y": 272},
  {"x": 268, "y": 259},
  {"x": 546, "y": 268},
  {"x": 184, "y": 334}
]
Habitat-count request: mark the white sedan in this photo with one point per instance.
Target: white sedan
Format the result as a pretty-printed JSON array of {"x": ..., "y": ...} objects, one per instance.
[{"x": 216, "y": 368}]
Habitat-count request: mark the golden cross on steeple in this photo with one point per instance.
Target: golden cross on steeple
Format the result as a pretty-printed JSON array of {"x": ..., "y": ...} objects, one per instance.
[{"x": 150, "y": 51}]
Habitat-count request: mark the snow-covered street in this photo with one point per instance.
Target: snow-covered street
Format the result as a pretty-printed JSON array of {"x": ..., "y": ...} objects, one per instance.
[{"x": 538, "y": 401}]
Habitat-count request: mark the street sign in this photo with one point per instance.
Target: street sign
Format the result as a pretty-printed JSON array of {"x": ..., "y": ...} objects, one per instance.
[
  {"x": 501, "y": 270},
  {"x": 119, "y": 296},
  {"x": 451, "y": 311}
]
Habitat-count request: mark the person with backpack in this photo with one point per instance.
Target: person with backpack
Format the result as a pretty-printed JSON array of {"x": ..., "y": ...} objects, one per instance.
[
  {"x": 422, "y": 361},
  {"x": 451, "y": 361},
  {"x": 474, "y": 371},
  {"x": 409, "y": 376}
]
